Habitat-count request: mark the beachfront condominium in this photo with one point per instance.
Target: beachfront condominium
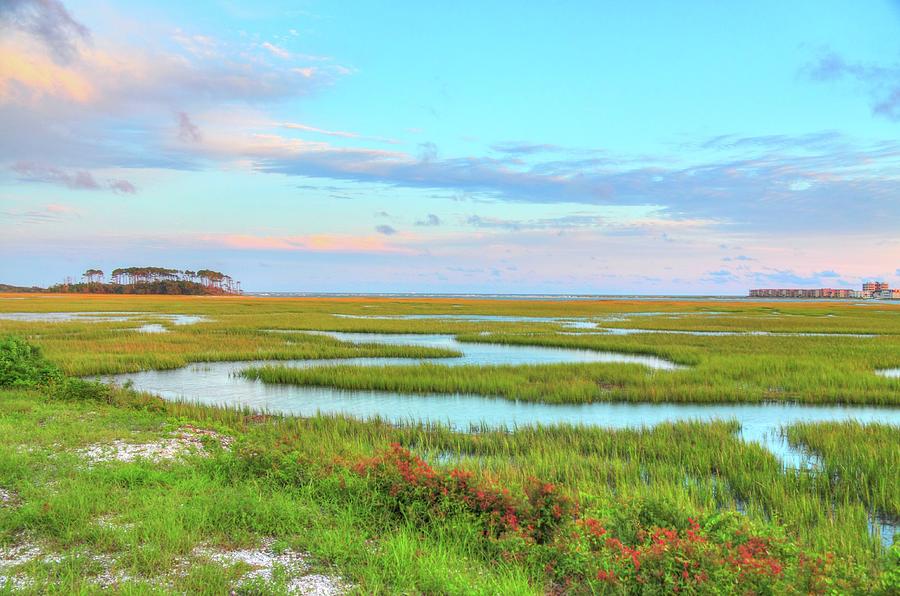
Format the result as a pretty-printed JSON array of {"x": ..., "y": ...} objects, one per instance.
[{"x": 870, "y": 289}]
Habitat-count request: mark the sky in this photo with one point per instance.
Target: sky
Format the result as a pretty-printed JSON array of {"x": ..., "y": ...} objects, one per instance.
[{"x": 646, "y": 147}]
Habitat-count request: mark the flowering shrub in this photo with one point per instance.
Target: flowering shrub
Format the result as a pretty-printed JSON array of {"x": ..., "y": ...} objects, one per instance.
[
  {"x": 630, "y": 552},
  {"x": 412, "y": 483}
]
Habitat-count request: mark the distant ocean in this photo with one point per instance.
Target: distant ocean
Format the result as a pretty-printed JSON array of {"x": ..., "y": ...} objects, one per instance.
[
  {"x": 484, "y": 296},
  {"x": 563, "y": 297}
]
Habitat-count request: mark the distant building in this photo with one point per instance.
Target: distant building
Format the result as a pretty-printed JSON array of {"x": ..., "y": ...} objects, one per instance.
[
  {"x": 870, "y": 289},
  {"x": 875, "y": 289},
  {"x": 875, "y": 286}
]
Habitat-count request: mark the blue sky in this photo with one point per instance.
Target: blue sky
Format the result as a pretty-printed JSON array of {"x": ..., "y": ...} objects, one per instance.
[{"x": 647, "y": 147}]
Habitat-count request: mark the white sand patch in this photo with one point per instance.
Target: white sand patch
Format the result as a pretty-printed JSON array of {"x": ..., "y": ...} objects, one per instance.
[
  {"x": 12, "y": 556},
  {"x": 264, "y": 561},
  {"x": 109, "y": 578},
  {"x": 8, "y": 498},
  {"x": 316, "y": 585},
  {"x": 187, "y": 440},
  {"x": 25, "y": 551},
  {"x": 108, "y": 522},
  {"x": 18, "y": 554}
]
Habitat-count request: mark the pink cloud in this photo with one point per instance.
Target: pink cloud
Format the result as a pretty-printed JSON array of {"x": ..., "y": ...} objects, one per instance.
[
  {"x": 61, "y": 209},
  {"x": 276, "y": 50},
  {"x": 341, "y": 243},
  {"x": 78, "y": 180},
  {"x": 336, "y": 133}
]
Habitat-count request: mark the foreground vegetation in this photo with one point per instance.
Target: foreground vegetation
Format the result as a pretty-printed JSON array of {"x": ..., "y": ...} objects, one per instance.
[{"x": 423, "y": 508}]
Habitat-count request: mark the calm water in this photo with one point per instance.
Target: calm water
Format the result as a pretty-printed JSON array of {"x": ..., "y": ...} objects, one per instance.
[
  {"x": 103, "y": 317},
  {"x": 635, "y": 330},
  {"x": 492, "y": 354},
  {"x": 594, "y": 323},
  {"x": 218, "y": 383}
]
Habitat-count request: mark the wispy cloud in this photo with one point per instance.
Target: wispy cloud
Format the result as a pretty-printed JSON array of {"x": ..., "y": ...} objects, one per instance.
[
  {"x": 276, "y": 50},
  {"x": 722, "y": 276},
  {"x": 48, "y": 21},
  {"x": 65, "y": 100},
  {"x": 521, "y": 148},
  {"x": 880, "y": 81},
  {"x": 336, "y": 133},
  {"x": 49, "y": 213},
  {"x": 325, "y": 243},
  {"x": 774, "y": 189},
  {"x": 75, "y": 180},
  {"x": 187, "y": 130},
  {"x": 386, "y": 230},
  {"x": 564, "y": 222},
  {"x": 788, "y": 277},
  {"x": 828, "y": 140},
  {"x": 430, "y": 220}
]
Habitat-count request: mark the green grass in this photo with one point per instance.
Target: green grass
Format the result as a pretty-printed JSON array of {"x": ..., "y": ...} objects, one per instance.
[
  {"x": 159, "y": 513},
  {"x": 865, "y": 458},
  {"x": 719, "y": 368},
  {"x": 286, "y": 479},
  {"x": 292, "y": 479}
]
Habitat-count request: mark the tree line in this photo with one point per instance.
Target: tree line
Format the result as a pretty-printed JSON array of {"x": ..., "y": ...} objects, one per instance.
[{"x": 151, "y": 280}]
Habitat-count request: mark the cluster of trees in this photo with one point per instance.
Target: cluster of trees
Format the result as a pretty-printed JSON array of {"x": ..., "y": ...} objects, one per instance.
[
  {"x": 133, "y": 275},
  {"x": 152, "y": 280}
]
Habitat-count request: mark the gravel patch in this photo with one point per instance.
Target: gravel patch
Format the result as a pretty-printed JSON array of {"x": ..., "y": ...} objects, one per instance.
[
  {"x": 263, "y": 562},
  {"x": 108, "y": 578},
  {"x": 8, "y": 498},
  {"x": 12, "y": 556},
  {"x": 316, "y": 585},
  {"x": 108, "y": 522},
  {"x": 26, "y": 551},
  {"x": 187, "y": 440}
]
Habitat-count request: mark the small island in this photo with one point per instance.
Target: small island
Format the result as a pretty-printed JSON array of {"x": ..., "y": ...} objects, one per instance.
[{"x": 149, "y": 280}]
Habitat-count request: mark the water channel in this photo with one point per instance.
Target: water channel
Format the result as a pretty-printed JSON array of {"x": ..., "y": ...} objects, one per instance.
[{"x": 219, "y": 383}]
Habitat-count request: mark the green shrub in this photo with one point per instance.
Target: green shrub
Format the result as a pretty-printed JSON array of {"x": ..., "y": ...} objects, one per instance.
[
  {"x": 23, "y": 366},
  {"x": 80, "y": 390}
]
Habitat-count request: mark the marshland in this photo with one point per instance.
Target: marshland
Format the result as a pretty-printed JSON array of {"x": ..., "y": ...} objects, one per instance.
[{"x": 381, "y": 502}]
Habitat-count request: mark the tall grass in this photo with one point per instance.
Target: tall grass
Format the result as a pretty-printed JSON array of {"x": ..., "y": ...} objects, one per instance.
[
  {"x": 291, "y": 478},
  {"x": 688, "y": 467},
  {"x": 720, "y": 368},
  {"x": 862, "y": 459}
]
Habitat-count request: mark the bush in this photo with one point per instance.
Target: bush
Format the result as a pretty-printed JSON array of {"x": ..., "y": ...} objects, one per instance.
[
  {"x": 414, "y": 487},
  {"x": 79, "y": 389},
  {"x": 23, "y": 366},
  {"x": 634, "y": 547}
]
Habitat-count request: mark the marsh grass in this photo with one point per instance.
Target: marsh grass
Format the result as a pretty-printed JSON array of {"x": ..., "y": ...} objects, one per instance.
[
  {"x": 862, "y": 458},
  {"x": 285, "y": 479},
  {"x": 288, "y": 478},
  {"x": 719, "y": 368}
]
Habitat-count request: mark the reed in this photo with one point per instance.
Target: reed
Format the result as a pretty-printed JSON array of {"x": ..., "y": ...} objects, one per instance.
[{"x": 863, "y": 459}]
